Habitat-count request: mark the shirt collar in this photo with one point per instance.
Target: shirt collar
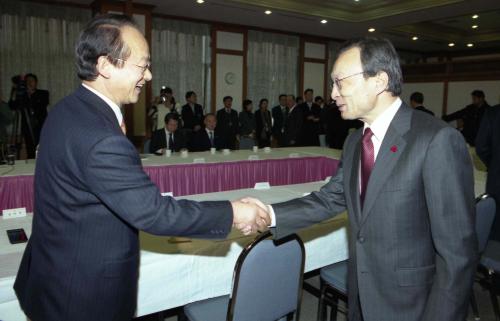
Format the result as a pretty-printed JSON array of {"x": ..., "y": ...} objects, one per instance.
[
  {"x": 114, "y": 107},
  {"x": 208, "y": 131},
  {"x": 381, "y": 124}
]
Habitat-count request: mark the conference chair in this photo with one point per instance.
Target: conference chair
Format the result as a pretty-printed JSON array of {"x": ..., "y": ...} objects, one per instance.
[
  {"x": 490, "y": 260},
  {"x": 267, "y": 284},
  {"x": 485, "y": 214}
]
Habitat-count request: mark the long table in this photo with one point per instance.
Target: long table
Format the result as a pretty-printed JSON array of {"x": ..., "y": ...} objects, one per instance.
[
  {"x": 177, "y": 271},
  {"x": 182, "y": 176}
]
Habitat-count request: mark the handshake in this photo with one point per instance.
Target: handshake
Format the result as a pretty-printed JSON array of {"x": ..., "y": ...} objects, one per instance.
[{"x": 250, "y": 215}]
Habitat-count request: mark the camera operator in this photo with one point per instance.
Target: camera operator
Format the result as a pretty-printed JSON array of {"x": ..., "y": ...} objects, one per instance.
[
  {"x": 30, "y": 103},
  {"x": 162, "y": 106}
]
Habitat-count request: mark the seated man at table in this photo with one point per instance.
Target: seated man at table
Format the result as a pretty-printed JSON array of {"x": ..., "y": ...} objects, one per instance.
[
  {"x": 207, "y": 138},
  {"x": 168, "y": 137}
]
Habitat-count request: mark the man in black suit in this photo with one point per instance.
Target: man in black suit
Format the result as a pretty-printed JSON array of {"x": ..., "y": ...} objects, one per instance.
[
  {"x": 92, "y": 196},
  {"x": 279, "y": 114},
  {"x": 168, "y": 137},
  {"x": 417, "y": 100},
  {"x": 293, "y": 123},
  {"x": 311, "y": 113},
  {"x": 488, "y": 149},
  {"x": 228, "y": 124},
  {"x": 192, "y": 113},
  {"x": 207, "y": 137},
  {"x": 470, "y": 116}
]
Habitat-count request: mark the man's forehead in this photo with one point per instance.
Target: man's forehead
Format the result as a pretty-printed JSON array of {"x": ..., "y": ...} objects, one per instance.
[{"x": 347, "y": 62}]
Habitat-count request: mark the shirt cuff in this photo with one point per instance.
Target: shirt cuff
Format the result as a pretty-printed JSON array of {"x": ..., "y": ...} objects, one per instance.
[{"x": 273, "y": 216}]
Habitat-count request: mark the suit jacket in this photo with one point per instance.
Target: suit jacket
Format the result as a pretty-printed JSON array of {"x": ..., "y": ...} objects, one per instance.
[
  {"x": 471, "y": 116},
  {"x": 278, "y": 121},
  {"x": 310, "y": 129},
  {"x": 293, "y": 127},
  {"x": 228, "y": 127},
  {"x": 425, "y": 110},
  {"x": 200, "y": 142},
  {"x": 91, "y": 199},
  {"x": 191, "y": 119},
  {"x": 263, "y": 136},
  {"x": 488, "y": 149},
  {"x": 159, "y": 140},
  {"x": 412, "y": 246}
]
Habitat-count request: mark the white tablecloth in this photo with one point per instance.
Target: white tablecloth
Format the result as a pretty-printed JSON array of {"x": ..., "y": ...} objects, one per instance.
[{"x": 173, "y": 272}]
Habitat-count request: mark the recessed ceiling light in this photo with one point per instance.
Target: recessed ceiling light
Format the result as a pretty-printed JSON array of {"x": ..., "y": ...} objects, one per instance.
[
  {"x": 470, "y": 45},
  {"x": 324, "y": 21},
  {"x": 475, "y": 26},
  {"x": 414, "y": 38},
  {"x": 475, "y": 16},
  {"x": 268, "y": 12},
  {"x": 356, "y": 0},
  {"x": 451, "y": 44},
  {"x": 371, "y": 30},
  {"x": 200, "y": 1}
]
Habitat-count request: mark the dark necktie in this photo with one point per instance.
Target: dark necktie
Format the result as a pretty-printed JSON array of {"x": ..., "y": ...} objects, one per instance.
[
  {"x": 211, "y": 138},
  {"x": 170, "y": 141},
  {"x": 367, "y": 161}
]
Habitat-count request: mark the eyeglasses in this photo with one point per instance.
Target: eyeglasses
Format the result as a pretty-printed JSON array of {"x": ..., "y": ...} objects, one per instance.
[
  {"x": 143, "y": 68},
  {"x": 338, "y": 81}
]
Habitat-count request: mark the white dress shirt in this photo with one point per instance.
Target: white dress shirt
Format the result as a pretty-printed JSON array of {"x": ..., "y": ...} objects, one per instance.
[
  {"x": 116, "y": 109},
  {"x": 379, "y": 129}
]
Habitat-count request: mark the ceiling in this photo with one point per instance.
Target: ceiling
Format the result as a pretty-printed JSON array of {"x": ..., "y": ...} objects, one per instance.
[{"x": 436, "y": 23}]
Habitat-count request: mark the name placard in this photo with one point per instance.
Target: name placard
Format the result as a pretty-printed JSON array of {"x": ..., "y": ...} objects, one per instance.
[
  {"x": 253, "y": 157},
  {"x": 168, "y": 194},
  {"x": 262, "y": 185},
  {"x": 14, "y": 213},
  {"x": 199, "y": 160}
]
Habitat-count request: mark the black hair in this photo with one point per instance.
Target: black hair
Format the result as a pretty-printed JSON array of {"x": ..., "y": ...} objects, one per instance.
[
  {"x": 377, "y": 55},
  {"x": 282, "y": 95},
  {"x": 265, "y": 100},
  {"x": 308, "y": 90},
  {"x": 246, "y": 103},
  {"x": 209, "y": 114},
  {"x": 171, "y": 116},
  {"x": 417, "y": 97},
  {"x": 189, "y": 94},
  {"x": 102, "y": 36},
  {"x": 166, "y": 90},
  {"x": 318, "y": 98},
  {"x": 478, "y": 93},
  {"x": 226, "y": 98},
  {"x": 32, "y": 76}
]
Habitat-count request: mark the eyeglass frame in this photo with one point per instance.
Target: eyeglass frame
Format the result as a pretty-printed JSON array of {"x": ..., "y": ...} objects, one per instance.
[
  {"x": 143, "y": 68},
  {"x": 337, "y": 81}
]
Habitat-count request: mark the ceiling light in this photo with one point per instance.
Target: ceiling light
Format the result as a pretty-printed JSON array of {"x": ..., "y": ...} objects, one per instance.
[
  {"x": 200, "y": 1},
  {"x": 268, "y": 12},
  {"x": 470, "y": 45},
  {"x": 371, "y": 30},
  {"x": 475, "y": 16},
  {"x": 356, "y": 0},
  {"x": 475, "y": 26},
  {"x": 414, "y": 38},
  {"x": 451, "y": 44},
  {"x": 324, "y": 21}
]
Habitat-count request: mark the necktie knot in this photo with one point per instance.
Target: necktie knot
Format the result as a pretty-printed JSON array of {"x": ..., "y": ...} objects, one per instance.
[{"x": 367, "y": 135}]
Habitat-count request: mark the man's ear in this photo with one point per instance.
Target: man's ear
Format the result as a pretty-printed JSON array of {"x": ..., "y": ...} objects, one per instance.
[
  {"x": 382, "y": 81},
  {"x": 104, "y": 66}
]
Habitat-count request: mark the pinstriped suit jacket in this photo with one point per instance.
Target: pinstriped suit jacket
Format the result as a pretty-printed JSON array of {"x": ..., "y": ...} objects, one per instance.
[
  {"x": 91, "y": 198},
  {"x": 412, "y": 247}
]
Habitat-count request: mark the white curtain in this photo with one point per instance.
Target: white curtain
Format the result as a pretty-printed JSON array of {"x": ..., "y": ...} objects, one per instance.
[
  {"x": 39, "y": 38},
  {"x": 181, "y": 58},
  {"x": 273, "y": 66}
]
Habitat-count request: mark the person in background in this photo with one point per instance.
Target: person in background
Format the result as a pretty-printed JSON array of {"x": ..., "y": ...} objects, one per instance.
[
  {"x": 192, "y": 113},
  {"x": 318, "y": 100},
  {"x": 299, "y": 100},
  {"x": 168, "y": 137},
  {"x": 488, "y": 150},
  {"x": 207, "y": 137},
  {"x": 228, "y": 124},
  {"x": 470, "y": 116},
  {"x": 247, "y": 125},
  {"x": 293, "y": 123},
  {"x": 263, "y": 124},
  {"x": 311, "y": 113},
  {"x": 417, "y": 101},
  {"x": 163, "y": 105},
  {"x": 280, "y": 114}
]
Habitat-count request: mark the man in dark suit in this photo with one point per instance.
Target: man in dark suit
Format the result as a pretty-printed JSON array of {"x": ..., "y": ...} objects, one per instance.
[
  {"x": 311, "y": 113},
  {"x": 92, "y": 196},
  {"x": 406, "y": 182},
  {"x": 279, "y": 114},
  {"x": 168, "y": 137},
  {"x": 192, "y": 112},
  {"x": 228, "y": 124},
  {"x": 470, "y": 116},
  {"x": 293, "y": 123},
  {"x": 417, "y": 101},
  {"x": 488, "y": 149},
  {"x": 207, "y": 138}
]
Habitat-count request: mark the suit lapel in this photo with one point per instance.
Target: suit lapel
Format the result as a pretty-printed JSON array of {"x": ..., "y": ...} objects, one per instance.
[
  {"x": 392, "y": 148},
  {"x": 98, "y": 104}
]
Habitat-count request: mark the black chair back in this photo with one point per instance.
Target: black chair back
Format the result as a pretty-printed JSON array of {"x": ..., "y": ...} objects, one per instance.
[{"x": 485, "y": 214}]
